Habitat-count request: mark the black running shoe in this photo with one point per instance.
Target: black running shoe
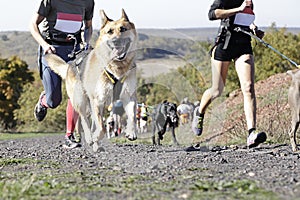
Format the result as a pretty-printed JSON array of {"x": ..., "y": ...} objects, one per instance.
[
  {"x": 255, "y": 138},
  {"x": 70, "y": 142},
  {"x": 40, "y": 111}
]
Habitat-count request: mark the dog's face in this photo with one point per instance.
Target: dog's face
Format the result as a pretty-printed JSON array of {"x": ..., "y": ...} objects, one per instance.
[{"x": 119, "y": 36}]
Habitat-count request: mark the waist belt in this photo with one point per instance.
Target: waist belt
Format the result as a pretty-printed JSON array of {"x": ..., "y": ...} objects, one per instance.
[
  {"x": 52, "y": 42},
  {"x": 61, "y": 37}
]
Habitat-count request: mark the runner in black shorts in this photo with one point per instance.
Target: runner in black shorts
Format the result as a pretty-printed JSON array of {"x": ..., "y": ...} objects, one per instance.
[
  {"x": 232, "y": 52},
  {"x": 233, "y": 46}
]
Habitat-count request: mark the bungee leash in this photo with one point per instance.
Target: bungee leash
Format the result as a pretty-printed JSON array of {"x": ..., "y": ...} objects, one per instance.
[{"x": 239, "y": 29}]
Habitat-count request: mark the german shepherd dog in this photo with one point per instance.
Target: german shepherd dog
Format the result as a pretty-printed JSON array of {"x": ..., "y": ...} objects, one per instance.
[{"x": 107, "y": 74}]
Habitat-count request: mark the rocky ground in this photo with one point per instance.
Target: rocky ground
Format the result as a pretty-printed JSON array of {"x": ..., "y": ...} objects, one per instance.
[
  {"x": 39, "y": 168},
  {"x": 143, "y": 171}
]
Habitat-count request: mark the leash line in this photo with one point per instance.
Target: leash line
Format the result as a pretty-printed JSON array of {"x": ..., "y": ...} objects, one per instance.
[{"x": 239, "y": 29}]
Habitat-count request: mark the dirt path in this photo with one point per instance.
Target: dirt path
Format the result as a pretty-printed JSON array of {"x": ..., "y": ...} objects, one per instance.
[{"x": 139, "y": 171}]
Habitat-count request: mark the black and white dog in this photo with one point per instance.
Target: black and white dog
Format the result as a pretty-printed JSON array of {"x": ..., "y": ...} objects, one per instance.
[{"x": 165, "y": 115}]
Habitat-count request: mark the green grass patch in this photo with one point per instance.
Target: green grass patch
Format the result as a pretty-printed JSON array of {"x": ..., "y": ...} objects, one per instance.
[
  {"x": 236, "y": 189},
  {"x": 53, "y": 183},
  {"x": 12, "y": 136},
  {"x": 13, "y": 161}
]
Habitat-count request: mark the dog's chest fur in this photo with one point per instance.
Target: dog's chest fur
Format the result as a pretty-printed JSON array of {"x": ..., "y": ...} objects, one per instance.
[{"x": 105, "y": 79}]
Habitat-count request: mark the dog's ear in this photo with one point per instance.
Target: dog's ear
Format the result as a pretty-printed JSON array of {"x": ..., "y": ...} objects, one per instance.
[
  {"x": 124, "y": 16},
  {"x": 104, "y": 18}
]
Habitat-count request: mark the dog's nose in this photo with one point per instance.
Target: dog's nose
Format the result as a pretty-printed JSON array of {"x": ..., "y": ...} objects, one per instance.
[{"x": 116, "y": 41}]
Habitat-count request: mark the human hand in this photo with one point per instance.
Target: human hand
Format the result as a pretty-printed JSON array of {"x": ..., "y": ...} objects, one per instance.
[
  {"x": 259, "y": 33},
  {"x": 246, "y": 3},
  {"x": 49, "y": 49},
  {"x": 256, "y": 31}
]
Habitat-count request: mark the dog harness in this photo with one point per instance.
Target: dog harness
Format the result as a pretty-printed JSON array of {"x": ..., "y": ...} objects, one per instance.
[
  {"x": 112, "y": 77},
  {"x": 117, "y": 84}
]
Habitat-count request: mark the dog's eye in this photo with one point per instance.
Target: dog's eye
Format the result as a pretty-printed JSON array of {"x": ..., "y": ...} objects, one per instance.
[
  {"x": 110, "y": 31},
  {"x": 123, "y": 29}
]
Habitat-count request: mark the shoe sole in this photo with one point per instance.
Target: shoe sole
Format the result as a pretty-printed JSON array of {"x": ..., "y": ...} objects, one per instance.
[
  {"x": 195, "y": 147},
  {"x": 35, "y": 109},
  {"x": 71, "y": 147},
  {"x": 261, "y": 138}
]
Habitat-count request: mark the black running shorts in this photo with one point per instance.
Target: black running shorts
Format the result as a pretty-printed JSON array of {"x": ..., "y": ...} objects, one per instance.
[{"x": 232, "y": 51}]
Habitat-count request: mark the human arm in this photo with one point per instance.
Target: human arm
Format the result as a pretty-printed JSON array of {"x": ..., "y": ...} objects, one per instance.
[
  {"x": 88, "y": 24},
  {"x": 34, "y": 30},
  {"x": 87, "y": 34},
  {"x": 225, "y": 13},
  {"x": 217, "y": 10}
]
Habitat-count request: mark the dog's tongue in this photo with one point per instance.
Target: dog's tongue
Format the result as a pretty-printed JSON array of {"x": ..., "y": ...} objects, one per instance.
[{"x": 119, "y": 49}]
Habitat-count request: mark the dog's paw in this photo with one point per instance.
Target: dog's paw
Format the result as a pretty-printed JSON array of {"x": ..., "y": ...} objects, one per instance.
[
  {"x": 97, "y": 148},
  {"x": 88, "y": 138},
  {"x": 160, "y": 135}
]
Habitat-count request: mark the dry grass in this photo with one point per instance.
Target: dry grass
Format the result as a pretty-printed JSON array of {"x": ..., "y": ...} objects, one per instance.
[{"x": 226, "y": 122}]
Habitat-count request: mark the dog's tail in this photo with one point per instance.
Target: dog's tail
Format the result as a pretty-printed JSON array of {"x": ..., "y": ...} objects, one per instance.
[{"x": 57, "y": 64}]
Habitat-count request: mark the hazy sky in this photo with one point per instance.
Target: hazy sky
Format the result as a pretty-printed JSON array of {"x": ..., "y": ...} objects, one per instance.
[{"x": 16, "y": 14}]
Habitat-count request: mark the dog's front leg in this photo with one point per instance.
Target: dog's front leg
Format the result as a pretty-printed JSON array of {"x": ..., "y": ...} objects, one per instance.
[
  {"x": 153, "y": 132},
  {"x": 128, "y": 97},
  {"x": 130, "y": 110},
  {"x": 173, "y": 135},
  {"x": 84, "y": 121},
  {"x": 98, "y": 130},
  {"x": 86, "y": 129},
  {"x": 108, "y": 130}
]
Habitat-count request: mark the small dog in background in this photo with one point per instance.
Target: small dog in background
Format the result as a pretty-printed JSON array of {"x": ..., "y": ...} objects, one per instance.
[{"x": 165, "y": 115}]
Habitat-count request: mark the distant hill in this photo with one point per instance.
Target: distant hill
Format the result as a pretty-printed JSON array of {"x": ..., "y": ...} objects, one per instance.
[
  {"x": 186, "y": 33},
  {"x": 194, "y": 33}
]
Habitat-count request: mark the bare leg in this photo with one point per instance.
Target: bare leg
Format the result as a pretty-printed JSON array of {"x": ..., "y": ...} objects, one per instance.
[
  {"x": 219, "y": 74},
  {"x": 116, "y": 124},
  {"x": 245, "y": 69}
]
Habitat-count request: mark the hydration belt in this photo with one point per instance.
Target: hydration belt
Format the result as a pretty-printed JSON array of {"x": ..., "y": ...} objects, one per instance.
[{"x": 62, "y": 37}]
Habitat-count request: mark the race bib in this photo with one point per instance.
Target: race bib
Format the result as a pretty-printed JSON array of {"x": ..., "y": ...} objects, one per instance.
[
  {"x": 244, "y": 18},
  {"x": 69, "y": 23}
]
